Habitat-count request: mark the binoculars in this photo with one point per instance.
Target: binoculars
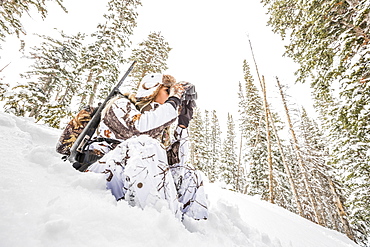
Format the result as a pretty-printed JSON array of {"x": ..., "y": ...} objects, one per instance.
[{"x": 190, "y": 93}]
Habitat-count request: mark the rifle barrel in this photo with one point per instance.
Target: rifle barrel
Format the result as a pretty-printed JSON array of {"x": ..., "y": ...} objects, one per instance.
[{"x": 80, "y": 144}]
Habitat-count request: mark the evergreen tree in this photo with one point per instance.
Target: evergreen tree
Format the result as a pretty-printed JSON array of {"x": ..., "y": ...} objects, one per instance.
[
  {"x": 229, "y": 167},
  {"x": 332, "y": 48},
  {"x": 325, "y": 45},
  {"x": 350, "y": 156},
  {"x": 66, "y": 70},
  {"x": 215, "y": 143},
  {"x": 197, "y": 144},
  {"x": 50, "y": 86},
  {"x": 252, "y": 128},
  {"x": 12, "y": 11},
  {"x": 322, "y": 175},
  {"x": 285, "y": 190},
  {"x": 253, "y": 148},
  {"x": 205, "y": 142},
  {"x": 4, "y": 87},
  {"x": 102, "y": 57},
  {"x": 205, "y": 152},
  {"x": 151, "y": 57}
]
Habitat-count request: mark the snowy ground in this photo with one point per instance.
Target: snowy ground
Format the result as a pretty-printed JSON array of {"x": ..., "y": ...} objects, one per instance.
[{"x": 45, "y": 202}]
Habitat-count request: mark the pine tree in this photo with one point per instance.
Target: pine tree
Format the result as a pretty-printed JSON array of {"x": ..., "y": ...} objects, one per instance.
[
  {"x": 330, "y": 41},
  {"x": 252, "y": 128},
  {"x": 350, "y": 156},
  {"x": 285, "y": 190},
  {"x": 51, "y": 84},
  {"x": 12, "y": 11},
  {"x": 328, "y": 190},
  {"x": 151, "y": 57},
  {"x": 4, "y": 87},
  {"x": 302, "y": 165},
  {"x": 229, "y": 167},
  {"x": 205, "y": 143},
  {"x": 279, "y": 191},
  {"x": 66, "y": 70},
  {"x": 268, "y": 142},
  {"x": 215, "y": 148},
  {"x": 103, "y": 56},
  {"x": 197, "y": 144},
  {"x": 206, "y": 151}
]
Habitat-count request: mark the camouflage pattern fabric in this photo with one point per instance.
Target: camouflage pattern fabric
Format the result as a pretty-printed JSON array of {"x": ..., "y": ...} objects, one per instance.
[
  {"x": 122, "y": 121},
  {"x": 137, "y": 170},
  {"x": 73, "y": 130},
  {"x": 188, "y": 181}
]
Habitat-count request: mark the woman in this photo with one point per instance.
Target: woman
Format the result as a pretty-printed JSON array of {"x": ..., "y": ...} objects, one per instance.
[{"x": 137, "y": 169}]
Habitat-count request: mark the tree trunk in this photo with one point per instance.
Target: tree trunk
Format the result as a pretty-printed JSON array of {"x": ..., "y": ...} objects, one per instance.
[
  {"x": 46, "y": 89},
  {"x": 258, "y": 131},
  {"x": 269, "y": 159},
  {"x": 95, "y": 88},
  {"x": 300, "y": 161},
  {"x": 341, "y": 211},
  {"x": 268, "y": 137},
  {"x": 239, "y": 164},
  {"x": 287, "y": 169}
]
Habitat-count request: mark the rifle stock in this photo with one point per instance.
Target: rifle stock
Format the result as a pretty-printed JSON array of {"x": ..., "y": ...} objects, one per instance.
[{"x": 83, "y": 139}]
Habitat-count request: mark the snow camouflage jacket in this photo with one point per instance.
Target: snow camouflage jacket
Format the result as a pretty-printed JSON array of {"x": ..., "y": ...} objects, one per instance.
[{"x": 137, "y": 170}]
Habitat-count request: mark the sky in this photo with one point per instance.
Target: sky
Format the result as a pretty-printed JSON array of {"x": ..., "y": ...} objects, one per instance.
[
  {"x": 47, "y": 203},
  {"x": 209, "y": 41}
]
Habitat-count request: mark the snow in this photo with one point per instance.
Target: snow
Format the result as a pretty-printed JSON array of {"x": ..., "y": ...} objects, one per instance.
[{"x": 45, "y": 202}]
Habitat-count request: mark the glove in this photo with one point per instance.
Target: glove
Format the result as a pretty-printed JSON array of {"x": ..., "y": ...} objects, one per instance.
[
  {"x": 186, "y": 113},
  {"x": 177, "y": 90}
]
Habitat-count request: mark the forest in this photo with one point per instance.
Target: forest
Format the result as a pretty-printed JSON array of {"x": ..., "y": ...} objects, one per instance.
[{"x": 318, "y": 168}]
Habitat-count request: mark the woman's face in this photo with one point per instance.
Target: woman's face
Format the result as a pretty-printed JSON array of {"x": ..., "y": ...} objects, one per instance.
[{"x": 162, "y": 95}]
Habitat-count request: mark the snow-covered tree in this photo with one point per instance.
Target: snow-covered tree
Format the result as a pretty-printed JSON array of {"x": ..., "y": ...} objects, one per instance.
[
  {"x": 215, "y": 147},
  {"x": 104, "y": 55},
  {"x": 229, "y": 163},
  {"x": 205, "y": 139},
  {"x": 350, "y": 155},
  {"x": 253, "y": 131},
  {"x": 66, "y": 70},
  {"x": 282, "y": 188},
  {"x": 51, "y": 84},
  {"x": 330, "y": 40},
  {"x": 3, "y": 89},
  {"x": 197, "y": 144},
  {"x": 326, "y": 45},
  {"x": 327, "y": 189},
  {"x": 12, "y": 11},
  {"x": 205, "y": 152},
  {"x": 151, "y": 56}
]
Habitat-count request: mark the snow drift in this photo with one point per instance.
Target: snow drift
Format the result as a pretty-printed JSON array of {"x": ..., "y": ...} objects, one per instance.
[{"x": 45, "y": 202}]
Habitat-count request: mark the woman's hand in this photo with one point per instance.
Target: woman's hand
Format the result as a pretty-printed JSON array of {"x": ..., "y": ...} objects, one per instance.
[
  {"x": 177, "y": 90},
  {"x": 186, "y": 113}
]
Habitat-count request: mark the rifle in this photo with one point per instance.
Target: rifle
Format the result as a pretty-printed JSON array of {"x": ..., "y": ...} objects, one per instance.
[{"x": 77, "y": 156}]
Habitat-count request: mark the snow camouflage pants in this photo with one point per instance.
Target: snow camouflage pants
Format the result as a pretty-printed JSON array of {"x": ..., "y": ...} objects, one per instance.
[{"x": 137, "y": 171}]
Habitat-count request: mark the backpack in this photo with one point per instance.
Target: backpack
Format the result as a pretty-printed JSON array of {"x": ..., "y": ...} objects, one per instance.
[{"x": 74, "y": 129}]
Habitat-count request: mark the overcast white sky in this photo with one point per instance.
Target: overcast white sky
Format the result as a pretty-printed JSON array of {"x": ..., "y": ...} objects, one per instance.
[{"x": 209, "y": 40}]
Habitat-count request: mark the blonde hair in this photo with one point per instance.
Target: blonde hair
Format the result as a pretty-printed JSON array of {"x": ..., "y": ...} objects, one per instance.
[
  {"x": 109, "y": 104},
  {"x": 141, "y": 104}
]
